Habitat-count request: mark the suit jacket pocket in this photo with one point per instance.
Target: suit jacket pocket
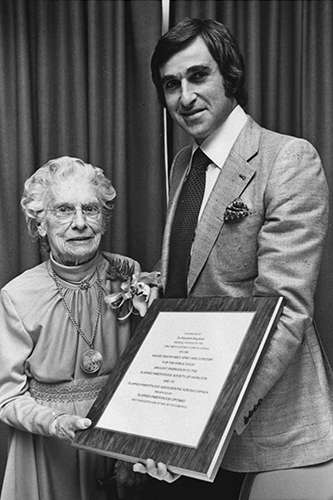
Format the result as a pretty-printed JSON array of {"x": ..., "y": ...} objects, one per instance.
[{"x": 235, "y": 252}]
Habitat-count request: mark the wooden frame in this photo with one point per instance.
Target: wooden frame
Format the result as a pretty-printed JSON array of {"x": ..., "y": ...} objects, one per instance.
[{"x": 203, "y": 461}]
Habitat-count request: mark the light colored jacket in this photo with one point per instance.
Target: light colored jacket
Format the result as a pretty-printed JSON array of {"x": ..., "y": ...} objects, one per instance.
[{"x": 286, "y": 419}]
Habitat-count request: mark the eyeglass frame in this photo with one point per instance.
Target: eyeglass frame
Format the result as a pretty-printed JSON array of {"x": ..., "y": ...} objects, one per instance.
[{"x": 70, "y": 217}]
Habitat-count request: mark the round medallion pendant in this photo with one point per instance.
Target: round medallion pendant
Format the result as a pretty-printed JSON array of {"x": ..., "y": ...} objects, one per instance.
[{"x": 91, "y": 361}]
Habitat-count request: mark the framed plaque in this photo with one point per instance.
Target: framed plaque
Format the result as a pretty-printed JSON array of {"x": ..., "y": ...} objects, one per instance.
[{"x": 175, "y": 393}]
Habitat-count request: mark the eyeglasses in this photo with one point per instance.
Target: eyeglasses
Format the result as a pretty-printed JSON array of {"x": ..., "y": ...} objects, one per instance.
[{"x": 68, "y": 212}]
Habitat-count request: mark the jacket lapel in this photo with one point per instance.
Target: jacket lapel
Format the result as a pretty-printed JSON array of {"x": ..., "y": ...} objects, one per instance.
[{"x": 236, "y": 174}]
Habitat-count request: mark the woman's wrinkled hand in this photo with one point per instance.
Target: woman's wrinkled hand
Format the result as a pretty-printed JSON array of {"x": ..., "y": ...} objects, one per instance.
[
  {"x": 157, "y": 470},
  {"x": 65, "y": 426}
]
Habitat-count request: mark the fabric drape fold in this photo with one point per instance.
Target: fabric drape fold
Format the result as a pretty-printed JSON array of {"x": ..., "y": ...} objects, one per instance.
[{"x": 74, "y": 80}]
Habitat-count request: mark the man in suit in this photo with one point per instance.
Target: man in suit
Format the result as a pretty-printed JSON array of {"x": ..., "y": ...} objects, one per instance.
[{"x": 259, "y": 230}]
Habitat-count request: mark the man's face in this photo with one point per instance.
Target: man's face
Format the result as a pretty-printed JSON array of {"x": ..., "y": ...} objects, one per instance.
[
  {"x": 73, "y": 221},
  {"x": 194, "y": 91}
]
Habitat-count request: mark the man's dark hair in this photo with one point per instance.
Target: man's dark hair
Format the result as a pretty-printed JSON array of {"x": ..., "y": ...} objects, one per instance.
[{"x": 221, "y": 45}]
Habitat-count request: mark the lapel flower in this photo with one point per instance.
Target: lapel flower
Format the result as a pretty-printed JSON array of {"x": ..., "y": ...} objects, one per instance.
[
  {"x": 236, "y": 211},
  {"x": 134, "y": 294}
]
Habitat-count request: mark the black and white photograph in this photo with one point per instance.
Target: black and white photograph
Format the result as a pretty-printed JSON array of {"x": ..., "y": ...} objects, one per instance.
[{"x": 166, "y": 250}]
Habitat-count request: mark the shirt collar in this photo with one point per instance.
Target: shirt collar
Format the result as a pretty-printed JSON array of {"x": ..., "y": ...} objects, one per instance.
[{"x": 218, "y": 145}]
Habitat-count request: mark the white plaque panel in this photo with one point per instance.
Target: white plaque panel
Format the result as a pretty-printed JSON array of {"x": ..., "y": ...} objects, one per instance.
[{"x": 171, "y": 386}]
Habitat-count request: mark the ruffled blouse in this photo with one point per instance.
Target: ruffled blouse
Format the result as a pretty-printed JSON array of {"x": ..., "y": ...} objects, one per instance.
[{"x": 39, "y": 340}]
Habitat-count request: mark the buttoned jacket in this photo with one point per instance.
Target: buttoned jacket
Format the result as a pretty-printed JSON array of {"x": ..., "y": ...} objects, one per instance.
[{"x": 285, "y": 419}]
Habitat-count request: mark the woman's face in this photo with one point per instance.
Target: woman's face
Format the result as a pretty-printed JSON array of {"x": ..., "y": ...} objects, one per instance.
[{"x": 73, "y": 222}]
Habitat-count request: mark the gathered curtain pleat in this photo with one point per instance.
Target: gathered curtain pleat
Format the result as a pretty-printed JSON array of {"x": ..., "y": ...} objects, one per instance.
[{"x": 75, "y": 80}]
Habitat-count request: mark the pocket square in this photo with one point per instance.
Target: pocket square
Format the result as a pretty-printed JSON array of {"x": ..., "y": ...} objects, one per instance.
[{"x": 236, "y": 211}]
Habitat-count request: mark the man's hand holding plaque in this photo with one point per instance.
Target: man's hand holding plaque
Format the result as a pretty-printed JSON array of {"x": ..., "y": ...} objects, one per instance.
[{"x": 157, "y": 470}]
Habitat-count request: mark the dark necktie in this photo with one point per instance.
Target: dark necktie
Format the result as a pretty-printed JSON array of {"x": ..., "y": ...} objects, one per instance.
[{"x": 184, "y": 225}]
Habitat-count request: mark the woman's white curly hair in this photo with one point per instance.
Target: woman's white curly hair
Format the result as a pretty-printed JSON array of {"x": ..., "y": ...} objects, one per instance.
[{"x": 37, "y": 188}]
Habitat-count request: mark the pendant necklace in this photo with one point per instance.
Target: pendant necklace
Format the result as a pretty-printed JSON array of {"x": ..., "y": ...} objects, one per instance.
[{"x": 92, "y": 359}]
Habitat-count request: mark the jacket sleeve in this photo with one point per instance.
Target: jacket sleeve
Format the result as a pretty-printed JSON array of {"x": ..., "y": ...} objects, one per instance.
[
  {"x": 17, "y": 407},
  {"x": 290, "y": 245}
]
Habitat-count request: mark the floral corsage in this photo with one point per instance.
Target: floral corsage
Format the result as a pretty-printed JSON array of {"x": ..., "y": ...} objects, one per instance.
[
  {"x": 236, "y": 211},
  {"x": 135, "y": 291}
]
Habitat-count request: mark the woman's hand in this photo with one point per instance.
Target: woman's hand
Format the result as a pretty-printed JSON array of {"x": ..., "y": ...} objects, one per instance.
[
  {"x": 65, "y": 426},
  {"x": 157, "y": 470}
]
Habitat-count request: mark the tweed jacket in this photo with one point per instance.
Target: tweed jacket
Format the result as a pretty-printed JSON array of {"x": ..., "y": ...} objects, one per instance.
[{"x": 286, "y": 418}]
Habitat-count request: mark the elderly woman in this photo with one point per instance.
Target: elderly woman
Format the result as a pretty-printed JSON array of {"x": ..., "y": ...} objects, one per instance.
[{"x": 58, "y": 338}]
